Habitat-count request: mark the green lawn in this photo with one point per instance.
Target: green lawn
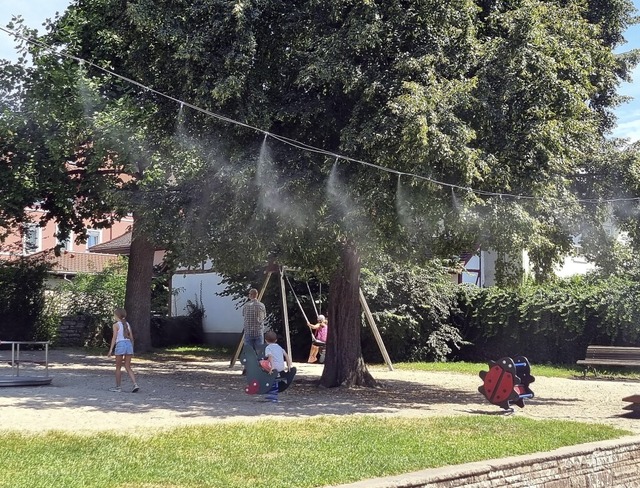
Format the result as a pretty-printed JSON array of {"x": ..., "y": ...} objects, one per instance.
[
  {"x": 475, "y": 368},
  {"x": 297, "y": 453},
  {"x": 541, "y": 370}
]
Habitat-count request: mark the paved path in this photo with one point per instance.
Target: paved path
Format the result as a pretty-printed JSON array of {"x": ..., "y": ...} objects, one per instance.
[{"x": 176, "y": 392}]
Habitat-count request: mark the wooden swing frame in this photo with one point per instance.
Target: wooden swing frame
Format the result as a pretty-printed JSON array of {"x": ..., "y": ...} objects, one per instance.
[{"x": 285, "y": 310}]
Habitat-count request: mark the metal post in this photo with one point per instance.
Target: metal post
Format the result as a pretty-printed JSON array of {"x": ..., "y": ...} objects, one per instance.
[{"x": 18, "y": 359}]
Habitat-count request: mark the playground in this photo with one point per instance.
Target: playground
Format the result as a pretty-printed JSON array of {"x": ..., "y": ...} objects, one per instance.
[{"x": 178, "y": 392}]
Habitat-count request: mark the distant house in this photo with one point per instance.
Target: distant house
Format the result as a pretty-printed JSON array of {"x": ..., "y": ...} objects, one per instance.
[
  {"x": 479, "y": 268},
  {"x": 38, "y": 242},
  {"x": 222, "y": 321},
  {"x": 70, "y": 263},
  {"x": 121, "y": 246},
  {"x": 33, "y": 238}
]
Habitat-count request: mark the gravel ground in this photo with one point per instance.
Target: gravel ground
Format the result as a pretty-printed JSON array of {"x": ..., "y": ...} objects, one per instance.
[{"x": 177, "y": 392}]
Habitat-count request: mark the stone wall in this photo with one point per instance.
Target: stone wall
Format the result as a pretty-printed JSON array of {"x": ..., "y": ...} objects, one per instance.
[
  {"x": 73, "y": 332},
  {"x": 607, "y": 464}
]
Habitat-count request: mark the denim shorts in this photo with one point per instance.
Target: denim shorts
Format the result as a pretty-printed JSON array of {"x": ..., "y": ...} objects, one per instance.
[{"x": 124, "y": 348}]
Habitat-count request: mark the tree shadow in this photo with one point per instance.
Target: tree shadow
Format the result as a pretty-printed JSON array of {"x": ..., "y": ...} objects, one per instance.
[
  {"x": 212, "y": 390},
  {"x": 176, "y": 392}
]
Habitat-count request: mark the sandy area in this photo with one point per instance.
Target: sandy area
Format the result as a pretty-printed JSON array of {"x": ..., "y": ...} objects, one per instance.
[{"x": 176, "y": 392}]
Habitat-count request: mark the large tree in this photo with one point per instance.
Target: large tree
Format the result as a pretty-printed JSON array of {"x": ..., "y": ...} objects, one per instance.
[
  {"x": 63, "y": 151},
  {"x": 48, "y": 159},
  {"x": 506, "y": 97}
]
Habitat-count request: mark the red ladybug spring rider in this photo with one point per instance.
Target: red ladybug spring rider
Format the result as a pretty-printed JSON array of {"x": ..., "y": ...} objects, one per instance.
[{"x": 507, "y": 382}]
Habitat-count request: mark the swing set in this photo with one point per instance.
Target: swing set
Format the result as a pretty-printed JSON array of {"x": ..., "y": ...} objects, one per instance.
[
  {"x": 314, "y": 340},
  {"x": 281, "y": 272}
]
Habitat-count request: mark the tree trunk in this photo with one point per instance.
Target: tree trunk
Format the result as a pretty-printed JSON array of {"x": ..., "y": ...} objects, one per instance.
[
  {"x": 343, "y": 361},
  {"x": 138, "y": 293}
]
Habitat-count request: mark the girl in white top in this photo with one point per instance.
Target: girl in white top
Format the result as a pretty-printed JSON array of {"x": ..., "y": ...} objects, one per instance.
[{"x": 122, "y": 341}]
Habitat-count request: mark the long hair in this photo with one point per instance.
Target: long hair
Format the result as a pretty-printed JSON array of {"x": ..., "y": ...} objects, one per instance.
[{"x": 121, "y": 313}]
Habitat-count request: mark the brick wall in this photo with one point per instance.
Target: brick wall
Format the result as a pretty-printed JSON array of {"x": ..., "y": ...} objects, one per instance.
[{"x": 607, "y": 464}]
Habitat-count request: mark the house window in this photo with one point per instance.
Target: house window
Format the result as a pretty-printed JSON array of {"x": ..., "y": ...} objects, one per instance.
[
  {"x": 66, "y": 244},
  {"x": 93, "y": 238},
  {"x": 31, "y": 238}
]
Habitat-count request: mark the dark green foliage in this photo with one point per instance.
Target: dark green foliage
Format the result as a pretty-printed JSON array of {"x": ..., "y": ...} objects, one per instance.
[
  {"x": 412, "y": 309},
  {"x": 96, "y": 296},
  {"x": 22, "y": 299},
  {"x": 499, "y": 96},
  {"x": 549, "y": 323},
  {"x": 176, "y": 331},
  {"x": 160, "y": 291}
]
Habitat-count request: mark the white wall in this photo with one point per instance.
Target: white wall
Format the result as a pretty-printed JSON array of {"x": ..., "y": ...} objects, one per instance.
[
  {"x": 485, "y": 262},
  {"x": 220, "y": 313},
  {"x": 574, "y": 265}
]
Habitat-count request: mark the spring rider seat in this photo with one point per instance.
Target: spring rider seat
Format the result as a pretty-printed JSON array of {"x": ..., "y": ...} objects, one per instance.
[
  {"x": 507, "y": 382},
  {"x": 258, "y": 380}
]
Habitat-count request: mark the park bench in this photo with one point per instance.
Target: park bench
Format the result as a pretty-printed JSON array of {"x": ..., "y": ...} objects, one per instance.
[
  {"x": 609, "y": 356},
  {"x": 613, "y": 356}
]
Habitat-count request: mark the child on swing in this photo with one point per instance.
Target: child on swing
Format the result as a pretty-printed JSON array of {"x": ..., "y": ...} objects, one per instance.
[
  {"x": 276, "y": 357},
  {"x": 321, "y": 337}
]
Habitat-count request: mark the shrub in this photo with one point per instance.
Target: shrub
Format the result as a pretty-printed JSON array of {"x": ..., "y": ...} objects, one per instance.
[
  {"x": 95, "y": 296},
  {"x": 553, "y": 322},
  {"x": 22, "y": 299},
  {"x": 412, "y": 309},
  {"x": 176, "y": 331}
]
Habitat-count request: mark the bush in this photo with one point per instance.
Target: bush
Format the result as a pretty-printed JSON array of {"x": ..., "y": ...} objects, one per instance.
[
  {"x": 95, "y": 296},
  {"x": 412, "y": 309},
  {"x": 550, "y": 323},
  {"x": 177, "y": 331},
  {"x": 22, "y": 300}
]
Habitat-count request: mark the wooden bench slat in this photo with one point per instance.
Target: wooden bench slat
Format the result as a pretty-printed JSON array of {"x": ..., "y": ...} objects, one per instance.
[
  {"x": 610, "y": 363},
  {"x": 611, "y": 356}
]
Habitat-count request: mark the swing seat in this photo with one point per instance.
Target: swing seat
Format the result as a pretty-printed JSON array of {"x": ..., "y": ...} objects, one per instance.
[
  {"x": 322, "y": 347},
  {"x": 318, "y": 343}
]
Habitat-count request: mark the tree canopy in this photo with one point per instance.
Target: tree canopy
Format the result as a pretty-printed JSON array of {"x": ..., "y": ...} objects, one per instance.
[{"x": 360, "y": 129}]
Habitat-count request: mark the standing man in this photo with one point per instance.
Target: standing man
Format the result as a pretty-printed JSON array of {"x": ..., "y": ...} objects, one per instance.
[{"x": 254, "y": 314}]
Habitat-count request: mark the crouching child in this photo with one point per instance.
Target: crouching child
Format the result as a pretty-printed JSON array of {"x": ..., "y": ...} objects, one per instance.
[{"x": 277, "y": 358}]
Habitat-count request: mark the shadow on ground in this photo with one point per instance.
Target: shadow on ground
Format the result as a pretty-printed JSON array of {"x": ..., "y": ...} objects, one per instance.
[
  {"x": 177, "y": 391},
  {"x": 210, "y": 388}
]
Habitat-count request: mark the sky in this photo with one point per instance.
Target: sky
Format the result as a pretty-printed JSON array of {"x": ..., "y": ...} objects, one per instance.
[{"x": 35, "y": 12}]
